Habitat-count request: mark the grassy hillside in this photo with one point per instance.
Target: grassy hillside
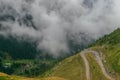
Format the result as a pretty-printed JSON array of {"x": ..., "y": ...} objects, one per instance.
[
  {"x": 111, "y": 58},
  {"x": 16, "y": 54},
  {"x": 108, "y": 47},
  {"x": 110, "y": 39},
  {"x": 95, "y": 71},
  {"x": 71, "y": 68},
  {"x": 12, "y": 77}
]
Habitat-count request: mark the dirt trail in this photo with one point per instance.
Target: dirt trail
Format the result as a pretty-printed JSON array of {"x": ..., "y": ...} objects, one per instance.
[
  {"x": 99, "y": 61},
  {"x": 86, "y": 65}
]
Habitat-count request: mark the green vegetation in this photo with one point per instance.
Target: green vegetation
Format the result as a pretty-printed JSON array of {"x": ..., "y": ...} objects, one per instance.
[
  {"x": 110, "y": 39},
  {"x": 109, "y": 48},
  {"x": 111, "y": 57},
  {"x": 30, "y": 68},
  {"x": 12, "y": 77},
  {"x": 25, "y": 67},
  {"x": 19, "y": 57},
  {"x": 95, "y": 70},
  {"x": 71, "y": 68},
  {"x": 18, "y": 49}
]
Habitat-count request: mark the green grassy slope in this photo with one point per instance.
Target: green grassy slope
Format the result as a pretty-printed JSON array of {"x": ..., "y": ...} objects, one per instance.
[
  {"x": 110, "y": 39},
  {"x": 108, "y": 47},
  {"x": 13, "y": 77},
  {"x": 111, "y": 49},
  {"x": 71, "y": 68},
  {"x": 95, "y": 71}
]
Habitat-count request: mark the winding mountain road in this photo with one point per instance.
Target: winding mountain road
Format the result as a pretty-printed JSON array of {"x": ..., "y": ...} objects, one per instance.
[
  {"x": 99, "y": 61},
  {"x": 86, "y": 64}
]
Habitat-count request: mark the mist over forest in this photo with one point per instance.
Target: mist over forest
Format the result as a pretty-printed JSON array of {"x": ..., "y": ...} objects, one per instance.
[{"x": 54, "y": 25}]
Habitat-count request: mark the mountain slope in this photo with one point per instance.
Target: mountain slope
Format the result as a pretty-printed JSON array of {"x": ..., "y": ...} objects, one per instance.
[
  {"x": 8, "y": 77},
  {"x": 108, "y": 50},
  {"x": 101, "y": 61},
  {"x": 71, "y": 68},
  {"x": 15, "y": 55},
  {"x": 110, "y": 39}
]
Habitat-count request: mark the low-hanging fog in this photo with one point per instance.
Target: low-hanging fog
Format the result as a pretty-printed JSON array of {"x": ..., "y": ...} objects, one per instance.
[{"x": 52, "y": 23}]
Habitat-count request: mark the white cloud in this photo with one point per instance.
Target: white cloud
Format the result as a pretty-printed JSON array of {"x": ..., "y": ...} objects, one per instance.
[{"x": 57, "y": 21}]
